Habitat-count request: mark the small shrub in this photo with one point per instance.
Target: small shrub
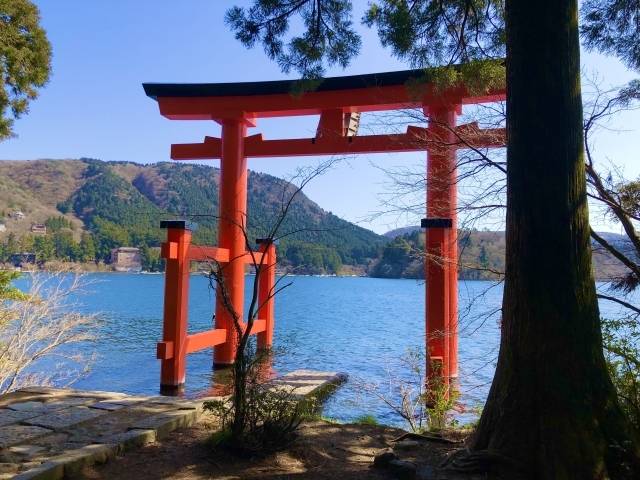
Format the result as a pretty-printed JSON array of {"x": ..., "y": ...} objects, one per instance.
[
  {"x": 271, "y": 413},
  {"x": 331, "y": 420},
  {"x": 439, "y": 399},
  {"x": 477, "y": 411},
  {"x": 272, "y": 419},
  {"x": 39, "y": 331},
  {"x": 424, "y": 405},
  {"x": 367, "y": 420},
  {"x": 221, "y": 437}
]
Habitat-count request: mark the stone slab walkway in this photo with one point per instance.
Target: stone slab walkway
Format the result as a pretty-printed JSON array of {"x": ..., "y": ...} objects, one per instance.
[{"x": 48, "y": 433}]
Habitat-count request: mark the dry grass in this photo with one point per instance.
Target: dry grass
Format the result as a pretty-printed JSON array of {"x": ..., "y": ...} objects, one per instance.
[{"x": 38, "y": 334}]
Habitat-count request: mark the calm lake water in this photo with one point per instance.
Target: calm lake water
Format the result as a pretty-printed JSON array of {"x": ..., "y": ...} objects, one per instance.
[{"x": 360, "y": 326}]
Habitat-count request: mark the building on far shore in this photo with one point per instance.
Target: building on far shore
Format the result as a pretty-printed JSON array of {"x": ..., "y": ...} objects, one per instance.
[
  {"x": 126, "y": 259},
  {"x": 17, "y": 215},
  {"x": 38, "y": 229},
  {"x": 3, "y": 227}
]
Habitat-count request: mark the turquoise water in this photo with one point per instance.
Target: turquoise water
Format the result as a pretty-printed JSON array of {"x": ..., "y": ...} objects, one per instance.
[{"x": 359, "y": 326}]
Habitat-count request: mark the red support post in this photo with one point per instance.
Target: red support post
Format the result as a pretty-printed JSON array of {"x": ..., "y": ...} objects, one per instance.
[
  {"x": 266, "y": 291},
  {"x": 232, "y": 221},
  {"x": 442, "y": 204},
  {"x": 437, "y": 298},
  {"x": 172, "y": 350}
]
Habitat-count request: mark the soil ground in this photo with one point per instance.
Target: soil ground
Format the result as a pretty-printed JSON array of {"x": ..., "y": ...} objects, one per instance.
[{"x": 323, "y": 450}]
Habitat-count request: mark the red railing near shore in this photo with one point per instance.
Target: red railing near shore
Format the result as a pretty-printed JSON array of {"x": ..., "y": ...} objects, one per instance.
[{"x": 179, "y": 252}]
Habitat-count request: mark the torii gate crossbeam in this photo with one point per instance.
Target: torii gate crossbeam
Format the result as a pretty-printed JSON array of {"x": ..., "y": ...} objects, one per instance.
[{"x": 338, "y": 101}]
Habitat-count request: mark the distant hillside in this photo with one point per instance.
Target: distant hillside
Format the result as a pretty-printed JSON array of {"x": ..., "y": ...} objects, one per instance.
[
  {"x": 481, "y": 255},
  {"x": 111, "y": 204},
  {"x": 398, "y": 232}
]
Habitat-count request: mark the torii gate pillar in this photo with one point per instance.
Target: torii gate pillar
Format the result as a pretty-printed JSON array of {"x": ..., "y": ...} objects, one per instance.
[
  {"x": 232, "y": 221},
  {"x": 441, "y": 264}
]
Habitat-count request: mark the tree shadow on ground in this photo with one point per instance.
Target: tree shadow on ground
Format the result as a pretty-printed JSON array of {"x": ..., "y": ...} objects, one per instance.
[{"x": 322, "y": 450}]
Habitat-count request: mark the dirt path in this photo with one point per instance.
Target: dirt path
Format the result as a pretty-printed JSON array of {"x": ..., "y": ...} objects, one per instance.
[{"x": 322, "y": 451}]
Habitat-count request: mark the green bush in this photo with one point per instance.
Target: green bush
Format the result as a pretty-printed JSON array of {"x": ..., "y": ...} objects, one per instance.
[
  {"x": 423, "y": 405},
  {"x": 272, "y": 417},
  {"x": 260, "y": 415},
  {"x": 367, "y": 419},
  {"x": 439, "y": 400}
]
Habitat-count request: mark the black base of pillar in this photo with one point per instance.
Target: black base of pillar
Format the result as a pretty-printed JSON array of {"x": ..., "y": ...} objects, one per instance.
[{"x": 172, "y": 390}]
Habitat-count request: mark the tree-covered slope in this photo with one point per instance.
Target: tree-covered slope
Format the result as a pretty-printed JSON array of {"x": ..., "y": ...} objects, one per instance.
[
  {"x": 482, "y": 255},
  {"x": 90, "y": 207},
  {"x": 122, "y": 203}
]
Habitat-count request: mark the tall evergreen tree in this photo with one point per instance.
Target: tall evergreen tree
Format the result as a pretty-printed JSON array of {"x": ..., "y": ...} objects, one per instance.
[
  {"x": 12, "y": 246},
  {"x": 25, "y": 60},
  {"x": 613, "y": 27},
  {"x": 87, "y": 248},
  {"x": 552, "y": 412},
  {"x": 552, "y": 406},
  {"x": 44, "y": 248}
]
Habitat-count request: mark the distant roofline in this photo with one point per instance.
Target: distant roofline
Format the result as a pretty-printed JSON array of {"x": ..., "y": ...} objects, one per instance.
[{"x": 274, "y": 87}]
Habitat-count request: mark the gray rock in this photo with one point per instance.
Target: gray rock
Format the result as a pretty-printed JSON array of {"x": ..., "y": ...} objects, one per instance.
[
  {"x": 132, "y": 439},
  {"x": 128, "y": 401},
  {"x": 64, "y": 418},
  {"x": 7, "y": 417},
  {"x": 44, "y": 471},
  {"x": 426, "y": 472},
  {"x": 406, "y": 445},
  {"x": 112, "y": 407},
  {"x": 59, "y": 404},
  {"x": 27, "y": 406},
  {"x": 27, "y": 450},
  {"x": 166, "y": 422},
  {"x": 16, "y": 434},
  {"x": 75, "y": 460},
  {"x": 383, "y": 459},
  {"x": 403, "y": 470},
  {"x": 72, "y": 392}
]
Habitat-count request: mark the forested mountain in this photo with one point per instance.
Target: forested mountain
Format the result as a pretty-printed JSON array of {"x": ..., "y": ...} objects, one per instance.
[
  {"x": 121, "y": 204},
  {"x": 90, "y": 207}
]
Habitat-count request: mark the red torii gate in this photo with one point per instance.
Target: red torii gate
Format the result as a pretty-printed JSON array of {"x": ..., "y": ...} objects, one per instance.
[{"x": 338, "y": 101}]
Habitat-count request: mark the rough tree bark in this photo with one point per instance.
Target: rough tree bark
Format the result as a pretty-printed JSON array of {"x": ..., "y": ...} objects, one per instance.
[{"x": 552, "y": 410}]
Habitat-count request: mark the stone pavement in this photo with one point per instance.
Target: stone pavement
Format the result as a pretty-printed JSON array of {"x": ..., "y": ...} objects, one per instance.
[{"x": 48, "y": 433}]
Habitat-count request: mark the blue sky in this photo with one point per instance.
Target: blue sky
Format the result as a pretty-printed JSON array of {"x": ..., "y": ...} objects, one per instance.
[{"x": 94, "y": 105}]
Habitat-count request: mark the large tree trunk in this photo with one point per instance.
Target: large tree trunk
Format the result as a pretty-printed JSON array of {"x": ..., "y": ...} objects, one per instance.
[{"x": 552, "y": 409}]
